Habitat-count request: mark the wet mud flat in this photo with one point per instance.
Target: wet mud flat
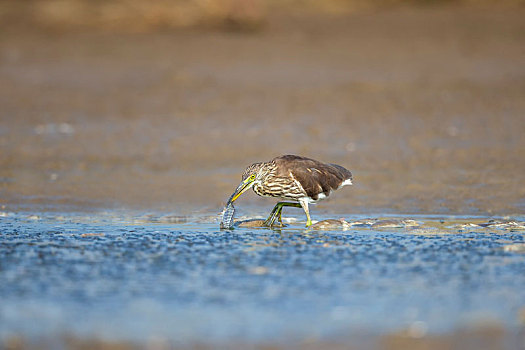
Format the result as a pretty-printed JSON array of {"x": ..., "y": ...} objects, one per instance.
[
  {"x": 130, "y": 280},
  {"x": 424, "y": 105}
]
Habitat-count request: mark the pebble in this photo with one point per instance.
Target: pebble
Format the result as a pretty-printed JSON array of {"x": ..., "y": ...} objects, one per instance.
[
  {"x": 394, "y": 223},
  {"x": 363, "y": 222},
  {"x": 251, "y": 223},
  {"x": 331, "y": 224}
]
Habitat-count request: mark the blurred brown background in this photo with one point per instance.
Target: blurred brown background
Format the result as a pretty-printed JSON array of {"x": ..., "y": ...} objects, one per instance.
[{"x": 161, "y": 104}]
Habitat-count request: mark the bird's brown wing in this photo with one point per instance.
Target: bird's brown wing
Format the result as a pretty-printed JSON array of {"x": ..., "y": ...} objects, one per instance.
[
  {"x": 315, "y": 177},
  {"x": 345, "y": 173}
]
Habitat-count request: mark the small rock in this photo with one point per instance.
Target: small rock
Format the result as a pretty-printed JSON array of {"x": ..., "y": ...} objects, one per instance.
[
  {"x": 253, "y": 223},
  {"x": 363, "y": 222},
  {"x": 394, "y": 223},
  {"x": 466, "y": 226},
  {"x": 331, "y": 224},
  {"x": 510, "y": 225},
  {"x": 410, "y": 223}
]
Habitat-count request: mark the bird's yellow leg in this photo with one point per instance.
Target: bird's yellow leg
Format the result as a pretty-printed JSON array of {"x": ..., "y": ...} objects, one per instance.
[{"x": 304, "y": 205}]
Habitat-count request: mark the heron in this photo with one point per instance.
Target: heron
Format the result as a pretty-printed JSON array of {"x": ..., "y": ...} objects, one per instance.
[{"x": 299, "y": 179}]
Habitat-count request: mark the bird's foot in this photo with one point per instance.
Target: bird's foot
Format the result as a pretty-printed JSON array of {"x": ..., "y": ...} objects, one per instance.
[
  {"x": 276, "y": 214},
  {"x": 271, "y": 222}
]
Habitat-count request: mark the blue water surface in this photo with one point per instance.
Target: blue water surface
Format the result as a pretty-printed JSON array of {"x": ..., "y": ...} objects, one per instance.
[{"x": 116, "y": 277}]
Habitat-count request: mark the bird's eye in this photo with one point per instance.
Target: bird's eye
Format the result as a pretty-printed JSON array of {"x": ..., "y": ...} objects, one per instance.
[{"x": 252, "y": 177}]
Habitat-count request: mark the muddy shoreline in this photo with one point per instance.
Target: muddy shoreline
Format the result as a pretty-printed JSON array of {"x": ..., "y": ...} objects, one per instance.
[
  {"x": 487, "y": 337},
  {"x": 424, "y": 105}
]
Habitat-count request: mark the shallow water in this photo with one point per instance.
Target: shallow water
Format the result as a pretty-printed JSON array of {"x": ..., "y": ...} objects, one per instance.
[{"x": 122, "y": 276}]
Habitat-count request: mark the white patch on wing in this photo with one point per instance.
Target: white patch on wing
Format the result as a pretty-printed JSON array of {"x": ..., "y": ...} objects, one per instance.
[
  {"x": 310, "y": 200},
  {"x": 345, "y": 183},
  {"x": 320, "y": 196}
]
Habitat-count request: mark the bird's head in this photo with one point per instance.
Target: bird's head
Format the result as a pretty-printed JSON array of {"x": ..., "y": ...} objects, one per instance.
[{"x": 250, "y": 177}]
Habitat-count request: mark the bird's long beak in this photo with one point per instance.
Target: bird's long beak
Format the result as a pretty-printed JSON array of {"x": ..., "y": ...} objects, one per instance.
[{"x": 243, "y": 187}]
